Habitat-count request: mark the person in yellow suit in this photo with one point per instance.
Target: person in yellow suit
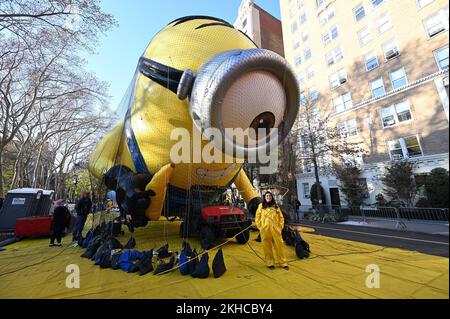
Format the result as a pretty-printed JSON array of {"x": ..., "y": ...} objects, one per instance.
[{"x": 270, "y": 222}]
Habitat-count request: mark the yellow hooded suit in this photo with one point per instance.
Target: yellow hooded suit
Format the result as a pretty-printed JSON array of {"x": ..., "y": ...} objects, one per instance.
[{"x": 270, "y": 222}]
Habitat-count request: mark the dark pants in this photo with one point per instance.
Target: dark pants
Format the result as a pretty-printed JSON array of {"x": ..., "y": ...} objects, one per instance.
[
  {"x": 78, "y": 228},
  {"x": 56, "y": 234}
]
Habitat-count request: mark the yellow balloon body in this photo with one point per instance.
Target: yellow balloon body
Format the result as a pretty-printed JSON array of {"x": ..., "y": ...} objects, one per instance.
[{"x": 156, "y": 111}]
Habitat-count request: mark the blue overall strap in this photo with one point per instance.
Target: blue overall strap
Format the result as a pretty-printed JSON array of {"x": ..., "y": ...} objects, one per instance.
[{"x": 133, "y": 146}]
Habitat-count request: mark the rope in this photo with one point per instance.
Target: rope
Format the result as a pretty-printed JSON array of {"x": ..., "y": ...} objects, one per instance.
[{"x": 204, "y": 252}]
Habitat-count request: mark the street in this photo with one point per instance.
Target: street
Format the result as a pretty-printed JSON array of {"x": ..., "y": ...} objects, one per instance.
[{"x": 425, "y": 243}]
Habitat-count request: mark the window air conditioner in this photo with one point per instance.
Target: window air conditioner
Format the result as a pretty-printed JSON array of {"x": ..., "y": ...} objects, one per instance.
[
  {"x": 391, "y": 53},
  {"x": 389, "y": 122},
  {"x": 342, "y": 80},
  {"x": 434, "y": 32}
]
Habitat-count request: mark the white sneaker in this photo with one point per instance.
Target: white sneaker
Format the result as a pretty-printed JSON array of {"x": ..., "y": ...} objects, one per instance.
[{"x": 75, "y": 244}]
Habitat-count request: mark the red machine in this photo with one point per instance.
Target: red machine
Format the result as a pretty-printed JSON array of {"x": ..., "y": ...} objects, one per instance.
[
  {"x": 217, "y": 222},
  {"x": 33, "y": 226}
]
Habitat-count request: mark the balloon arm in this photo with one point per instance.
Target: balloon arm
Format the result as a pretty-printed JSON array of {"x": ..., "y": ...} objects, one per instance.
[
  {"x": 247, "y": 191},
  {"x": 158, "y": 184}
]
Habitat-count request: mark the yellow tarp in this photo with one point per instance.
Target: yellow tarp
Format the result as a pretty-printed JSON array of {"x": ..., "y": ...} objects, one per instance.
[{"x": 31, "y": 269}]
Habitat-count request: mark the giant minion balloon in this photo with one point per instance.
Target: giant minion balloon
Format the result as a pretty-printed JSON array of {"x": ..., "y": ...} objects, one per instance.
[{"x": 197, "y": 73}]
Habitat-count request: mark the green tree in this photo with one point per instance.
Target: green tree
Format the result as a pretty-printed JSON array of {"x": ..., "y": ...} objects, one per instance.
[
  {"x": 399, "y": 183},
  {"x": 349, "y": 178},
  {"x": 436, "y": 186}
]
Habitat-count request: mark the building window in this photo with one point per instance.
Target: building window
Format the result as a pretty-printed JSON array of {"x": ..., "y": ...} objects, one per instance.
[
  {"x": 376, "y": 3},
  {"x": 347, "y": 129},
  {"x": 343, "y": 102},
  {"x": 398, "y": 78},
  {"x": 390, "y": 50},
  {"x": 313, "y": 93},
  {"x": 364, "y": 36},
  {"x": 338, "y": 78},
  {"x": 300, "y": 78},
  {"x": 305, "y": 35},
  {"x": 310, "y": 72},
  {"x": 326, "y": 38},
  {"x": 333, "y": 56},
  {"x": 437, "y": 23},
  {"x": 395, "y": 114},
  {"x": 326, "y": 15},
  {"x": 423, "y": 3},
  {"x": 359, "y": 12},
  {"x": 296, "y": 44},
  {"x": 405, "y": 147},
  {"x": 303, "y": 18},
  {"x": 319, "y": 2},
  {"x": 413, "y": 146},
  {"x": 330, "y": 35},
  {"x": 303, "y": 98},
  {"x": 334, "y": 32},
  {"x": 294, "y": 27},
  {"x": 308, "y": 54},
  {"x": 395, "y": 150},
  {"x": 300, "y": 3},
  {"x": 383, "y": 23},
  {"x": 293, "y": 12},
  {"x": 306, "y": 191},
  {"x": 371, "y": 61},
  {"x": 377, "y": 87},
  {"x": 441, "y": 56},
  {"x": 298, "y": 60}
]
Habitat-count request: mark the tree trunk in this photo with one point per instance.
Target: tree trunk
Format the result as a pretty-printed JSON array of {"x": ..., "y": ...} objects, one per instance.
[
  {"x": 318, "y": 188},
  {"x": 1, "y": 173},
  {"x": 36, "y": 166},
  {"x": 16, "y": 167}
]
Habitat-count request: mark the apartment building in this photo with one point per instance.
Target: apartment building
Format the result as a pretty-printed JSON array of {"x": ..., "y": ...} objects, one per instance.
[
  {"x": 263, "y": 28},
  {"x": 380, "y": 67}
]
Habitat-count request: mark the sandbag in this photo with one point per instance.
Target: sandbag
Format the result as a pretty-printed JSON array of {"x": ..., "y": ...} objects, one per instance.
[
  {"x": 193, "y": 261},
  {"x": 145, "y": 264},
  {"x": 165, "y": 266},
  {"x": 94, "y": 244},
  {"x": 128, "y": 258},
  {"x": 218, "y": 264},
  {"x": 185, "y": 255},
  {"x": 87, "y": 239},
  {"x": 100, "y": 252},
  {"x": 105, "y": 259},
  {"x": 163, "y": 251},
  {"x": 202, "y": 267},
  {"x": 115, "y": 257},
  {"x": 130, "y": 244}
]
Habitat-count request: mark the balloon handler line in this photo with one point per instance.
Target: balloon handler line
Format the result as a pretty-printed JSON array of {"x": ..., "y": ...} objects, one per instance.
[
  {"x": 312, "y": 256},
  {"x": 204, "y": 252}
]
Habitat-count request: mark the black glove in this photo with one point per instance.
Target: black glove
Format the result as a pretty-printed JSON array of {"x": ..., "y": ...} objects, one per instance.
[
  {"x": 253, "y": 205},
  {"x": 133, "y": 202}
]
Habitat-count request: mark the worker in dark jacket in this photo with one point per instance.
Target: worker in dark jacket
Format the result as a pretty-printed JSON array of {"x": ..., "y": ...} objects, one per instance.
[
  {"x": 83, "y": 208},
  {"x": 60, "y": 217}
]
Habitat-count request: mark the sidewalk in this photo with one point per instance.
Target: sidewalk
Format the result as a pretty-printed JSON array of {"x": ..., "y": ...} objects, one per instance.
[{"x": 433, "y": 228}]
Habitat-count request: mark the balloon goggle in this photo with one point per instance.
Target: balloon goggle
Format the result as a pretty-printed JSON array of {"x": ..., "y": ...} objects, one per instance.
[{"x": 207, "y": 92}]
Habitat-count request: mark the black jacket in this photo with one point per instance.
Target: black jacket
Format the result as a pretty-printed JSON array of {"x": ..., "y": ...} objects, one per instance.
[
  {"x": 84, "y": 206},
  {"x": 60, "y": 217}
]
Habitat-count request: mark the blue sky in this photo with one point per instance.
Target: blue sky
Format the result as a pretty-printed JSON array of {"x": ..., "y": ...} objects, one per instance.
[{"x": 139, "y": 20}]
